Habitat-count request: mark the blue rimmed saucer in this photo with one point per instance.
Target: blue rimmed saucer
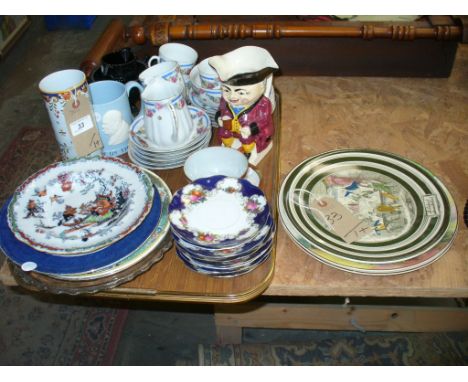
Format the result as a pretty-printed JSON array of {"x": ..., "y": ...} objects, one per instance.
[
  {"x": 228, "y": 254},
  {"x": 218, "y": 212}
]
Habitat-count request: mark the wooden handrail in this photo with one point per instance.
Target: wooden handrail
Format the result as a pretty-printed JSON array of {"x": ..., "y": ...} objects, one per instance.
[{"x": 161, "y": 32}]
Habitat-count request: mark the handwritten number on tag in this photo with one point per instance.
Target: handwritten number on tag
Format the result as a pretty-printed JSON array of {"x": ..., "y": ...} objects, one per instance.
[
  {"x": 333, "y": 217},
  {"x": 340, "y": 219}
]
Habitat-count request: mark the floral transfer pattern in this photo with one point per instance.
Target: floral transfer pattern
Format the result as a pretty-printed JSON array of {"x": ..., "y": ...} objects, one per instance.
[
  {"x": 152, "y": 108},
  {"x": 97, "y": 216},
  {"x": 196, "y": 196},
  {"x": 185, "y": 70},
  {"x": 79, "y": 206},
  {"x": 173, "y": 76},
  {"x": 55, "y": 102},
  {"x": 200, "y": 121}
]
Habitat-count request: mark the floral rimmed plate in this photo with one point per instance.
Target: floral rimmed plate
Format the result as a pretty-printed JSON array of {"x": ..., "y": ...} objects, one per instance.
[
  {"x": 409, "y": 210},
  {"x": 30, "y": 259},
  {"x": 155, "y": 241},
  {"x": 218, "y": 211},
  {"x": 76, "y": 207},
  {"x": 237, "y": 262},
  {"x": 262, "y": 257},
  {"x": 229, "y": 253}
]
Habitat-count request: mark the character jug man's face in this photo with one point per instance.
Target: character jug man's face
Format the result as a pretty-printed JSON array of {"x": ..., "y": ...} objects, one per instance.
[{"x": 244, "y": 96}]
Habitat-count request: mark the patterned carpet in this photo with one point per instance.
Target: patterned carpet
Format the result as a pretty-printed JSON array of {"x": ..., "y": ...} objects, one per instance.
[
  {"x": 346, "y": 348},
  {"x": 49, "y": 331}
]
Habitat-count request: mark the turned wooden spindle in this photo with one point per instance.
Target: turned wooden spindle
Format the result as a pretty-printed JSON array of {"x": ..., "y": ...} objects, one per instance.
[
  {"x": 106, "y": 43},
  {"x": 162, "y": 32}
]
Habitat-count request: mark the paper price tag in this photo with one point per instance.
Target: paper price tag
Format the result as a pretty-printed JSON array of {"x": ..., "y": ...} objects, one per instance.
[
  {"x": 340, "y": 219},
  {"x": 81, "y": 125}
]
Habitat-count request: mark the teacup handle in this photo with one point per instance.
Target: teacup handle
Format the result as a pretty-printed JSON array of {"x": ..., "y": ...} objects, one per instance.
[
  {"x": 153, "y": 58},
  {"x": 133, "y": 84}
]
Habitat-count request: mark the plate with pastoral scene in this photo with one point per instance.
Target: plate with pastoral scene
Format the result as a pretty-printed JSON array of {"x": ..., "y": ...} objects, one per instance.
[{"x": 79, "y": 206}]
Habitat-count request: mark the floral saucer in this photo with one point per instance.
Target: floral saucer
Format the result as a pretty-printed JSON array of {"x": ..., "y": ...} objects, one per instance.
[
  {"x": 228, "y": 272},
  {"x": 228, "y": 253},
  {"x": 218, "y": 211},
  {"x": 79, "y": 206},
  {"x": 228, "y": 264},
  {"x": 238, "y": 261}
]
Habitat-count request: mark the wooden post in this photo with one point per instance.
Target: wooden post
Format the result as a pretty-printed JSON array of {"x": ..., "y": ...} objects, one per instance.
[{"x": 106, "y": 43}]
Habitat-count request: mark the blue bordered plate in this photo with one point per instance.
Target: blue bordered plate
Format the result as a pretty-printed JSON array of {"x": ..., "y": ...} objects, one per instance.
[
  {"x": 79, "y": 206},
  {"x": 229, "y": 253},
  {"x": 30, "y": 259}
]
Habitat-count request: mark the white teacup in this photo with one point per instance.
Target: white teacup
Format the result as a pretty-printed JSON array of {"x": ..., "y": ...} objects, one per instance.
[
  {"x": 167, "y": 118},
  {"x": 183, "y": 54},
  {"x": 208, "y": 98},
  {"x": 208, "y": 76}
]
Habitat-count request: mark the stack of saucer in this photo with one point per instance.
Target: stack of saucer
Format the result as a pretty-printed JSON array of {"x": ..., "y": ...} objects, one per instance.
[
  {"x": 85, "y": 225},
  {"x": 145, "y": 154},
  {"x": 205, "y": 98},
  {"x": 221, "y": 226}
]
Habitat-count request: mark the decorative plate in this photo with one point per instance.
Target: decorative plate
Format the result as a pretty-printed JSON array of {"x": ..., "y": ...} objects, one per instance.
[
  {"x": 156, "y": 240},
  {"x": 237, "y": 261},
  {"x": 201, "y": 123},
  {"x": 408, "y": 210},
  {"x": 79, "y": 206},
  {"x": 218, "y": 211},
  {"x": 228, "y": 253},
  {"x": 382, "y": 269},
  {"x": 262, "y": 257},
  {"x": 49, "y": 284},
  {"x": 31, "y": 259}
]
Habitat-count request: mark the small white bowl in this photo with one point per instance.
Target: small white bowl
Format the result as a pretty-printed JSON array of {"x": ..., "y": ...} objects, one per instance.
[{"x": 216, "y": 160}]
